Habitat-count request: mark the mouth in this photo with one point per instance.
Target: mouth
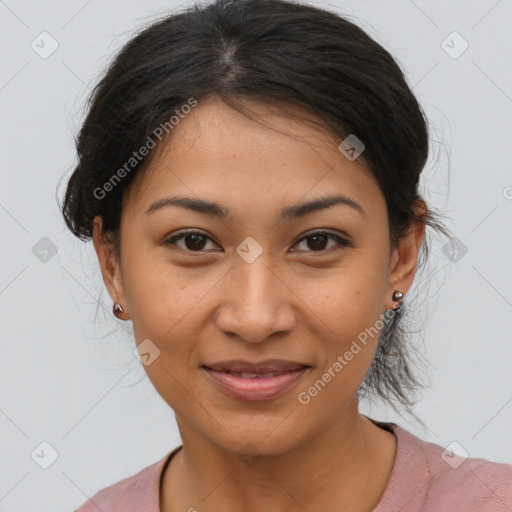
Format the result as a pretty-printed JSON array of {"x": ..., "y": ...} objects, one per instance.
[{"x": 255, "y": 381}]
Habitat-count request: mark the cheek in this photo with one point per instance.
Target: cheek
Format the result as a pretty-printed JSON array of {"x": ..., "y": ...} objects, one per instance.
[
  {"x": 348, "y": 349},
  {"x": 163, "y": 308},
  {"x": 159, "y": 294},
  {"x": 345, "y": 299},
  {"x": 348, "y": 310}
]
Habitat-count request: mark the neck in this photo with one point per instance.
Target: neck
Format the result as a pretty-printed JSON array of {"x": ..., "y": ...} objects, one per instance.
[{"x": 349, "y": 463}]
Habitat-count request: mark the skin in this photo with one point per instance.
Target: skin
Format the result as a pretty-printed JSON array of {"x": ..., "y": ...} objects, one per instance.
[{"x": 200, "y": 303}]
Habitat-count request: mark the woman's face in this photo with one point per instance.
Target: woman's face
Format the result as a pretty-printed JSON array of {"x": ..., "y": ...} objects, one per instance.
[{"x": 256, "y": 285}]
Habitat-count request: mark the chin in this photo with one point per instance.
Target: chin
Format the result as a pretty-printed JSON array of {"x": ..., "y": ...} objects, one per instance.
[{"x": 259, "y": 436}]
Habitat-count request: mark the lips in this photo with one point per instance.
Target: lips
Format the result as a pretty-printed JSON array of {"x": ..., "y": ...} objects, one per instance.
[
  {"x": 260, "y": 380},
  {"x": 269, "y": 366}
]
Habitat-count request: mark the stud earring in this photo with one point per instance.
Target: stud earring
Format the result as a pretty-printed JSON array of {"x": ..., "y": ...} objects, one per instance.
[
  {"x": 117, "y": 309},
  {"x": 397, "y": 296}
]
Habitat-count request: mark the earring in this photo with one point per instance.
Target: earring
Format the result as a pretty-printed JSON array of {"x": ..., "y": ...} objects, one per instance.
[
  {"x": 397, "y": 296},
  {"x": 117, "y": 309}
]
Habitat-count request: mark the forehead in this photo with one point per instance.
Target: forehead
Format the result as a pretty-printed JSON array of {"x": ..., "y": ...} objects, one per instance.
[{"x": 217, "y": 153}]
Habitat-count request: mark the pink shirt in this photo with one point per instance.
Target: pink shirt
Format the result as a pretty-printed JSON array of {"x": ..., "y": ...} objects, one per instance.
[{"x": 421, "y": 481}]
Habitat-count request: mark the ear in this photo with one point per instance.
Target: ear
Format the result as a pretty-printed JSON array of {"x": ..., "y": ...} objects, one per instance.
[
  {"x": 110, "y": 265},
  {"x": 405, "y": 256}
]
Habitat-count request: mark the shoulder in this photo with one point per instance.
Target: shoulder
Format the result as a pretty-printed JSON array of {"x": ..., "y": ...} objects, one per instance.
[
  {"x": 428, "y": 477},
  {"x": 136, "y": 493},
  {"x": 471, "y": 484}
]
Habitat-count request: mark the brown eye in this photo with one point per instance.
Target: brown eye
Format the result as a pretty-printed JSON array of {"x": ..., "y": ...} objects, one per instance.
[
  {"x": 319, "y": 240},
  {"x": 194, "y": 241}
]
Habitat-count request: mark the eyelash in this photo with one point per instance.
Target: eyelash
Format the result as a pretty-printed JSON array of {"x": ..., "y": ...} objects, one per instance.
[{"x": 341, "y": 241}]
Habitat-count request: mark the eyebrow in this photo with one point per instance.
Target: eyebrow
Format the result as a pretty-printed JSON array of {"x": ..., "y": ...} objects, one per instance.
[{"x": 291, "y": 212}]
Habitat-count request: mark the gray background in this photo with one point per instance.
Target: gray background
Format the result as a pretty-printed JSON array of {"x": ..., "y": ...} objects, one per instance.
[{"x": 68, "y": 375}]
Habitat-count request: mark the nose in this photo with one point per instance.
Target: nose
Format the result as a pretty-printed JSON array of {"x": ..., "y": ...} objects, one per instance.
[{"x": 257, "y": 303}]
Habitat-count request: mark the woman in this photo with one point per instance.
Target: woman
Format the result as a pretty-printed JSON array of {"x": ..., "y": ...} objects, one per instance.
[{"x": 248, "y": 172}]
